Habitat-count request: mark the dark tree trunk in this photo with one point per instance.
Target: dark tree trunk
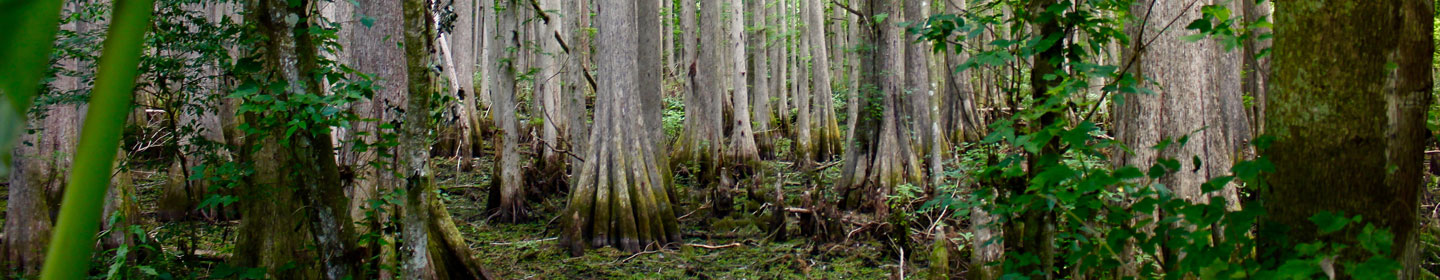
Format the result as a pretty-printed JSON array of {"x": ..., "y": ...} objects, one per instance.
[
  {"x": 1348, "y": 141},
  {"x": 296, "y": 172}
]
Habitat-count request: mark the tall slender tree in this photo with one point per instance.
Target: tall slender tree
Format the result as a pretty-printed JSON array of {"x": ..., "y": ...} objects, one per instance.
[
  {"x": 825, "y": 134},
  {"x": 702, "y": 143},
  {"x": 742, "y": 149},
  {"x": 507, "y": 197}
]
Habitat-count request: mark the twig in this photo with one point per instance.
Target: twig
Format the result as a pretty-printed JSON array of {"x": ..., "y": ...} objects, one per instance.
[
  {"x": 525, "y": 241},
  {"x": 799, "y": 210},
  {"x": 637, "y": 255},
  {"x": 736, "y": 244}
]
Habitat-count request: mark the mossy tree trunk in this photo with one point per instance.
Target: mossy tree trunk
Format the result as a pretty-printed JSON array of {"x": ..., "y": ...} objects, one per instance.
[
  {"x": 296, "y": 172},
  {"x": 431, "y": 246},
  {"x": 882, "y": 155},
  {"x": 1346, "y": 107},
  {"x": 620, "y": 197},
  {"x": 825, "y": 129},
  {"x": 507, "y": 198}
]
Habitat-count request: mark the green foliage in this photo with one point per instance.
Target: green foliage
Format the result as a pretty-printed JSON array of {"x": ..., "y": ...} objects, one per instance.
[{"x": 1109, "y": 219}]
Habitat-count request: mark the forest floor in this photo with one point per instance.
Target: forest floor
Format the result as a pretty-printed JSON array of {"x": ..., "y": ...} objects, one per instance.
[
  {"x": 742, "y": 250},
  {"x": 734, "y": 247}
]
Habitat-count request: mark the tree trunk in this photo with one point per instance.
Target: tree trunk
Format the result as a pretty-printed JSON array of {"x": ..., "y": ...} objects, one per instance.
[
  {"x": 651, "y": 106},
  {"x": 701, "y": 142},
  {"x": 620, "y": 198},
  {"x": 506, "y": 196},
  {"x": 1348, "y": 141},
  {"x": 376, "y": 52},
  {"x": 578, "y": 63},
  {"x": 742, "y": 150},
  {"x": 881, "y": 156},
  {"x": 825, "y": 135},
  {"x": 1257, "y": 70},
  {"x": 34, "y": 180},
  {"x": 760, "y": 86},
  {"x": 429, "y": 247},
  {"x": 1197, "y": 96},
  {"x": 804, "y": 148},
  {"x": 295, "y": 172}
]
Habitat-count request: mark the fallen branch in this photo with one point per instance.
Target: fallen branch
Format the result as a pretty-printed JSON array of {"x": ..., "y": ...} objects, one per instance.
[
  {"x": 799, "y": 210},
  {"x": 737, "y": 244}
]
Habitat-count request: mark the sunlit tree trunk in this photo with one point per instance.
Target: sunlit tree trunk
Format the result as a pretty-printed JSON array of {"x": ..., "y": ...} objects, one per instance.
[
  {"x": 1348, "y": 141},
  {"x": 1197, "y": 96},
  {"x": 578, "y": 84},
  {"x": 803, "y": 148},
  {"x": 620, "y": 197},
  {"x": 463, "y": 48}
]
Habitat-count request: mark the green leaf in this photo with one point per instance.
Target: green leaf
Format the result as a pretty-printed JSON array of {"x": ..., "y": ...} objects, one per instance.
[
  {"x": 1193, "y": 37},
  {"x": 880, "y": 18},
  {"x": 1328, "y": 222}
]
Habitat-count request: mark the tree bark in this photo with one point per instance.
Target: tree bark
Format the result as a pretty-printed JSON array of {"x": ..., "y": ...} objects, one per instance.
[
  {"x": 1348, "y": 141},
  {"x": 507, "y": 198},
  {"x": 620, "y": 198},
  {"x": 701, "y": 143},
  {"x": 761, "y": 84},
  {"x": 881, "y": 156},
  {"x": 376, "y": 52},
  {"x": 1197, "y": 96},
  {"x": 826, "y": 130},
  {"x": 742, "y": 149},
  {"x": 1257, "y": 69},
  {"x": 296, "y": 172}
]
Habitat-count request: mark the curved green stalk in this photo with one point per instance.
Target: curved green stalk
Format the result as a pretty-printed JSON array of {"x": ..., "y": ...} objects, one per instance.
[
  {"x": 25, "y": 49},
  {"x": 74, "y": 236}
]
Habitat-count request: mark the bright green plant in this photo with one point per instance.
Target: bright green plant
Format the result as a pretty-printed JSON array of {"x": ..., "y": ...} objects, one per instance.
[
  {"x": 68, "y": 256},
  {"x": 24, "y": 49}
]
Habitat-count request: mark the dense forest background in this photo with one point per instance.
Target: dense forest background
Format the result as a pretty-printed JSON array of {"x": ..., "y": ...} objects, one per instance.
[{"x": 732, "y": 139}]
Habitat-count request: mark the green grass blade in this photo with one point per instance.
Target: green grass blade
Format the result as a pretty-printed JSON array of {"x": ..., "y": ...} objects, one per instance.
[
  {"x": 74, "y": 237},
  {"x": 25, "y": 53}
]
